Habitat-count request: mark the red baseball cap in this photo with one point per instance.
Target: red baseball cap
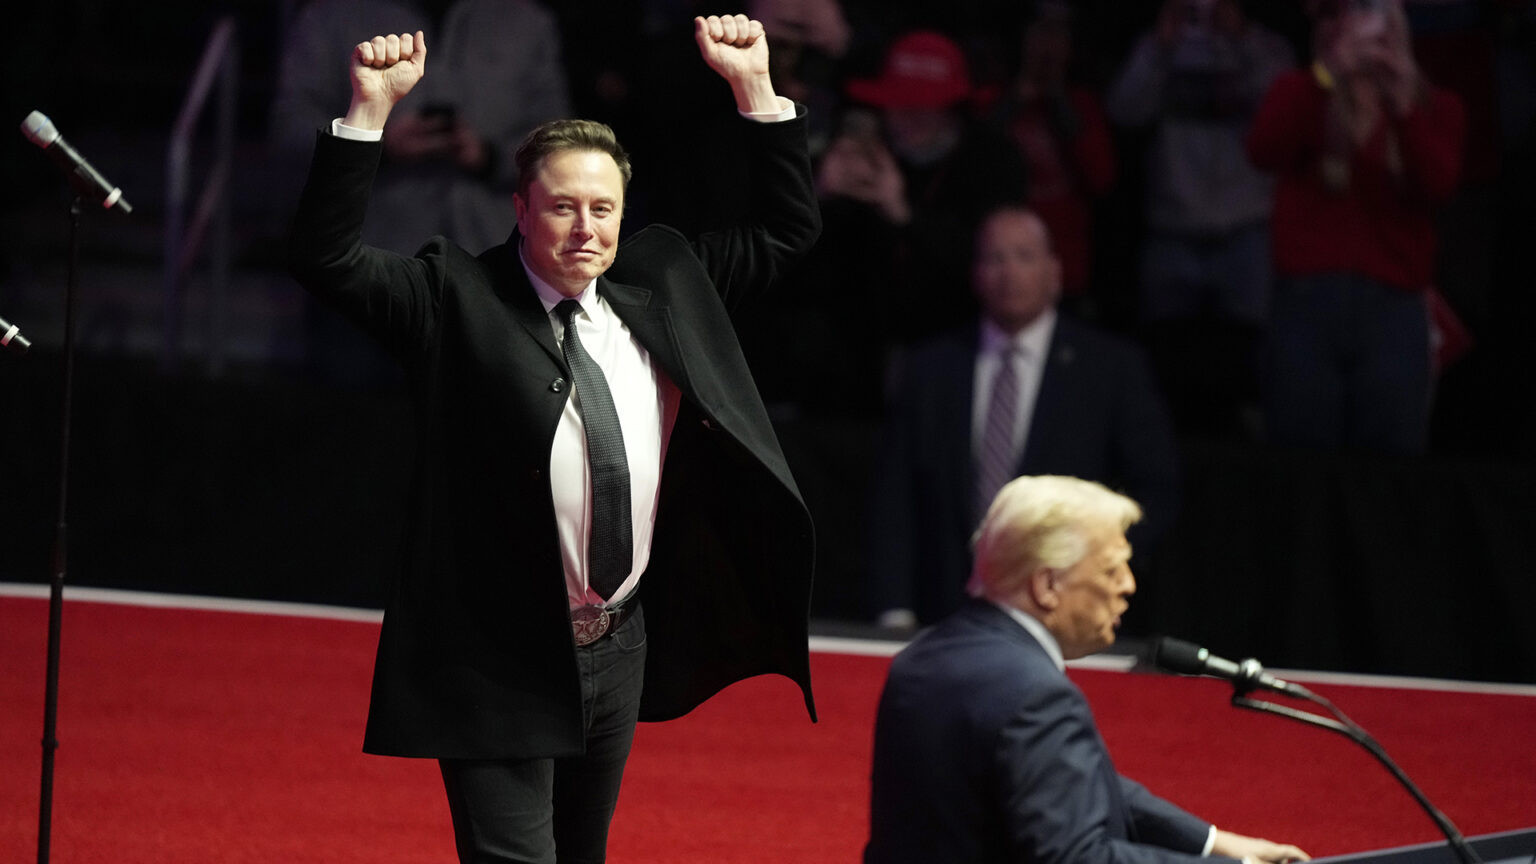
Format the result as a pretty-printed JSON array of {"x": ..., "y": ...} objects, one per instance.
[{"x": 923, "y": 69}]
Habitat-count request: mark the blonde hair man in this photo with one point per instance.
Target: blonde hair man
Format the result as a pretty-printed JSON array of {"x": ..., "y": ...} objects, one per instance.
[{"x": 984, "y": 749}]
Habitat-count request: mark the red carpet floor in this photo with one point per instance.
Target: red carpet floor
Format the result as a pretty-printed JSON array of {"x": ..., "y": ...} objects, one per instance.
[{"x": 194, "y": 736}]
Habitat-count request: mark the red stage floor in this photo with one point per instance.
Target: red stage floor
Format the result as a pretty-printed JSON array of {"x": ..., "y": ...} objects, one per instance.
[{"x": 196, "y": 730}]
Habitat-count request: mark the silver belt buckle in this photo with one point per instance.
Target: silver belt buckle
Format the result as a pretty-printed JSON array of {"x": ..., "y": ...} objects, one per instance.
[{"x": 589, "y": 623}]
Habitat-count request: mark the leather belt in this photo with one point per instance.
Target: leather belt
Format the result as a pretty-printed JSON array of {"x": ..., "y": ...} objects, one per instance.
[{"x": 591, "y": 623}]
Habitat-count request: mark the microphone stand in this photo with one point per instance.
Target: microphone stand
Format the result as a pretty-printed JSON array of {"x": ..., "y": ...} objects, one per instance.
[
  {"x": 60, "y": 556},
  {"x": 1348, "y": 728}
]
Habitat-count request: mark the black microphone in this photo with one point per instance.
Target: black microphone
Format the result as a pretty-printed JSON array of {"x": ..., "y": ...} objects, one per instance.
[
  {"x": 10, "y": 337},
  {"x": 1176, "y": 655},
  {"x": 40, "y": 131}
]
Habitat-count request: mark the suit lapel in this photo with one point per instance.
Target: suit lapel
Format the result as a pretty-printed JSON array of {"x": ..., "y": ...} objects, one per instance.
[
  {"x": 958, "y": 389},
  {"x": 1053, "y": 403},
  {"x": 986, "y": 615},
  {"x": 511, "y": 284}
]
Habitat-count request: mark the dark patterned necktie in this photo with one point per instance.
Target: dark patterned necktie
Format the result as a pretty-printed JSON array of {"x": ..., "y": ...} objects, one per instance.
[
  {"x": 995, "y": 460},
  {"x": 610, "y": 549}
]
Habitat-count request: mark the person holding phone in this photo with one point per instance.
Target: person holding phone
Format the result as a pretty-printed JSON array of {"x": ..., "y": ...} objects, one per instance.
[
  {"x": 448, "y": 163},
  {"x": 1364, "y": 149},
  {"x": 449, "y": 166},
  {"x": 1194, "y": 81}
]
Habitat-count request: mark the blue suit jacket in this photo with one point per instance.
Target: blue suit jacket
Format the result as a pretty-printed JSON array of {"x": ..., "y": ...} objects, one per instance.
[
  {"x": 1098, "y": 416},
  {"x": 986, "y": 752}
]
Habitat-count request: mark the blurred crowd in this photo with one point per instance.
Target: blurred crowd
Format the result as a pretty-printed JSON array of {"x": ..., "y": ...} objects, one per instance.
[
  {"x": 1280, "y": 222},
  {"x": 1059, "y": 236},
  {"x": 1253, "y": 193}
]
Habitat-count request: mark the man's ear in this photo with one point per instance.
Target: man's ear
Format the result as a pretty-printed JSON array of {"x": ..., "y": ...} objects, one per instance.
[
  {"x": 1055, "y": 277},
  {"x": 1042, "y": 584}
]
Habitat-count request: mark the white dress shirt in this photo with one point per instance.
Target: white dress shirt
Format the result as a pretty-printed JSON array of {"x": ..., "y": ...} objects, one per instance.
[{"x": 646, "y": 402}]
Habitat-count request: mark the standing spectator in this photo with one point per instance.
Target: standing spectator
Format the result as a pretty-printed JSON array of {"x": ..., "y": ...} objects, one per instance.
[
  {"x": 1021, "y": 391},
  {"x": 1060, "y": 130},
  {"x": 448, "y": 164},
  {"x": 923, "y": 173},
  {"x": 900, "y": 184},
  {"x": 811, "y": 38},
  {"x": 1364, "y": 148},
  {"x": 1196, "y": 78}
]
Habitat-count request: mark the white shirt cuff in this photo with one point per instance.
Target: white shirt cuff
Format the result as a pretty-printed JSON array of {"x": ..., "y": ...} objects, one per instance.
[
  {"x": 1210, "y": 840},
  {"x": 786, "y": 112},
  {"x": 352, "y": 133}
]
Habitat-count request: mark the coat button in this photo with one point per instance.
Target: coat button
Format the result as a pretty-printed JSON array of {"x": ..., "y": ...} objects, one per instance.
[{"x": 557, "y": 385}]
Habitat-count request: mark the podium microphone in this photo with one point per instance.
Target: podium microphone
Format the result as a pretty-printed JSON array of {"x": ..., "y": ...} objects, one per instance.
[
  {"x": 1176, "y": 655},
  {"x": 11, "y": 338},
  {"x": 88, "y": 181}
]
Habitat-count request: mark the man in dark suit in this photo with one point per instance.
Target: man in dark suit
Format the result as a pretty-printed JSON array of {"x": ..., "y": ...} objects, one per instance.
[
  {"x": 515, "y": 649},
  {"x": 1070, "y": 400},
  {"x": 984, "y": 750}
]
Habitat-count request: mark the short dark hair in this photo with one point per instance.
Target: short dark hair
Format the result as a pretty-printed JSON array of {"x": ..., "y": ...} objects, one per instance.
[
  {"x": 558, "y": 136},
  {"x": 1018, "y": 207}
]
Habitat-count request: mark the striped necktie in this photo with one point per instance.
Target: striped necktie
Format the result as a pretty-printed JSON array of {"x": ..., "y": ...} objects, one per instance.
[{"x": 995, "y": 461}]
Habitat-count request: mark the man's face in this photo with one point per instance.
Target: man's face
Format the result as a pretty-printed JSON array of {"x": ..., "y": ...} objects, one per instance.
[
  {"x": 921, "y": 136},
  {"x": 1014, "y": 274},
  {"x": 1093, "y": 594},
  {"x": 570, "y": 218}
]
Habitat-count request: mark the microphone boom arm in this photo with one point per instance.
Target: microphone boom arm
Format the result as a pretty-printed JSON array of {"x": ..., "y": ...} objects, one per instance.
[{"x": 1352, "y": 730}]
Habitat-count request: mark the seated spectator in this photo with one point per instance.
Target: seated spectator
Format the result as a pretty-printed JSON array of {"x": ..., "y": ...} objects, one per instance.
[
  {"x": 1364, "y": 149},
  {"x": 1021, "y": 391}
]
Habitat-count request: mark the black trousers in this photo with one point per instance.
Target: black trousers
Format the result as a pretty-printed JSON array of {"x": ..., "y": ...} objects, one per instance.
[{"x": 544, "y": 811}]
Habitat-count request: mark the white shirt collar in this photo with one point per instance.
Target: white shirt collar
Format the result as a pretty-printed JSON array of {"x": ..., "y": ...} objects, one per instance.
[{"x": 1032, "y": 341}]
